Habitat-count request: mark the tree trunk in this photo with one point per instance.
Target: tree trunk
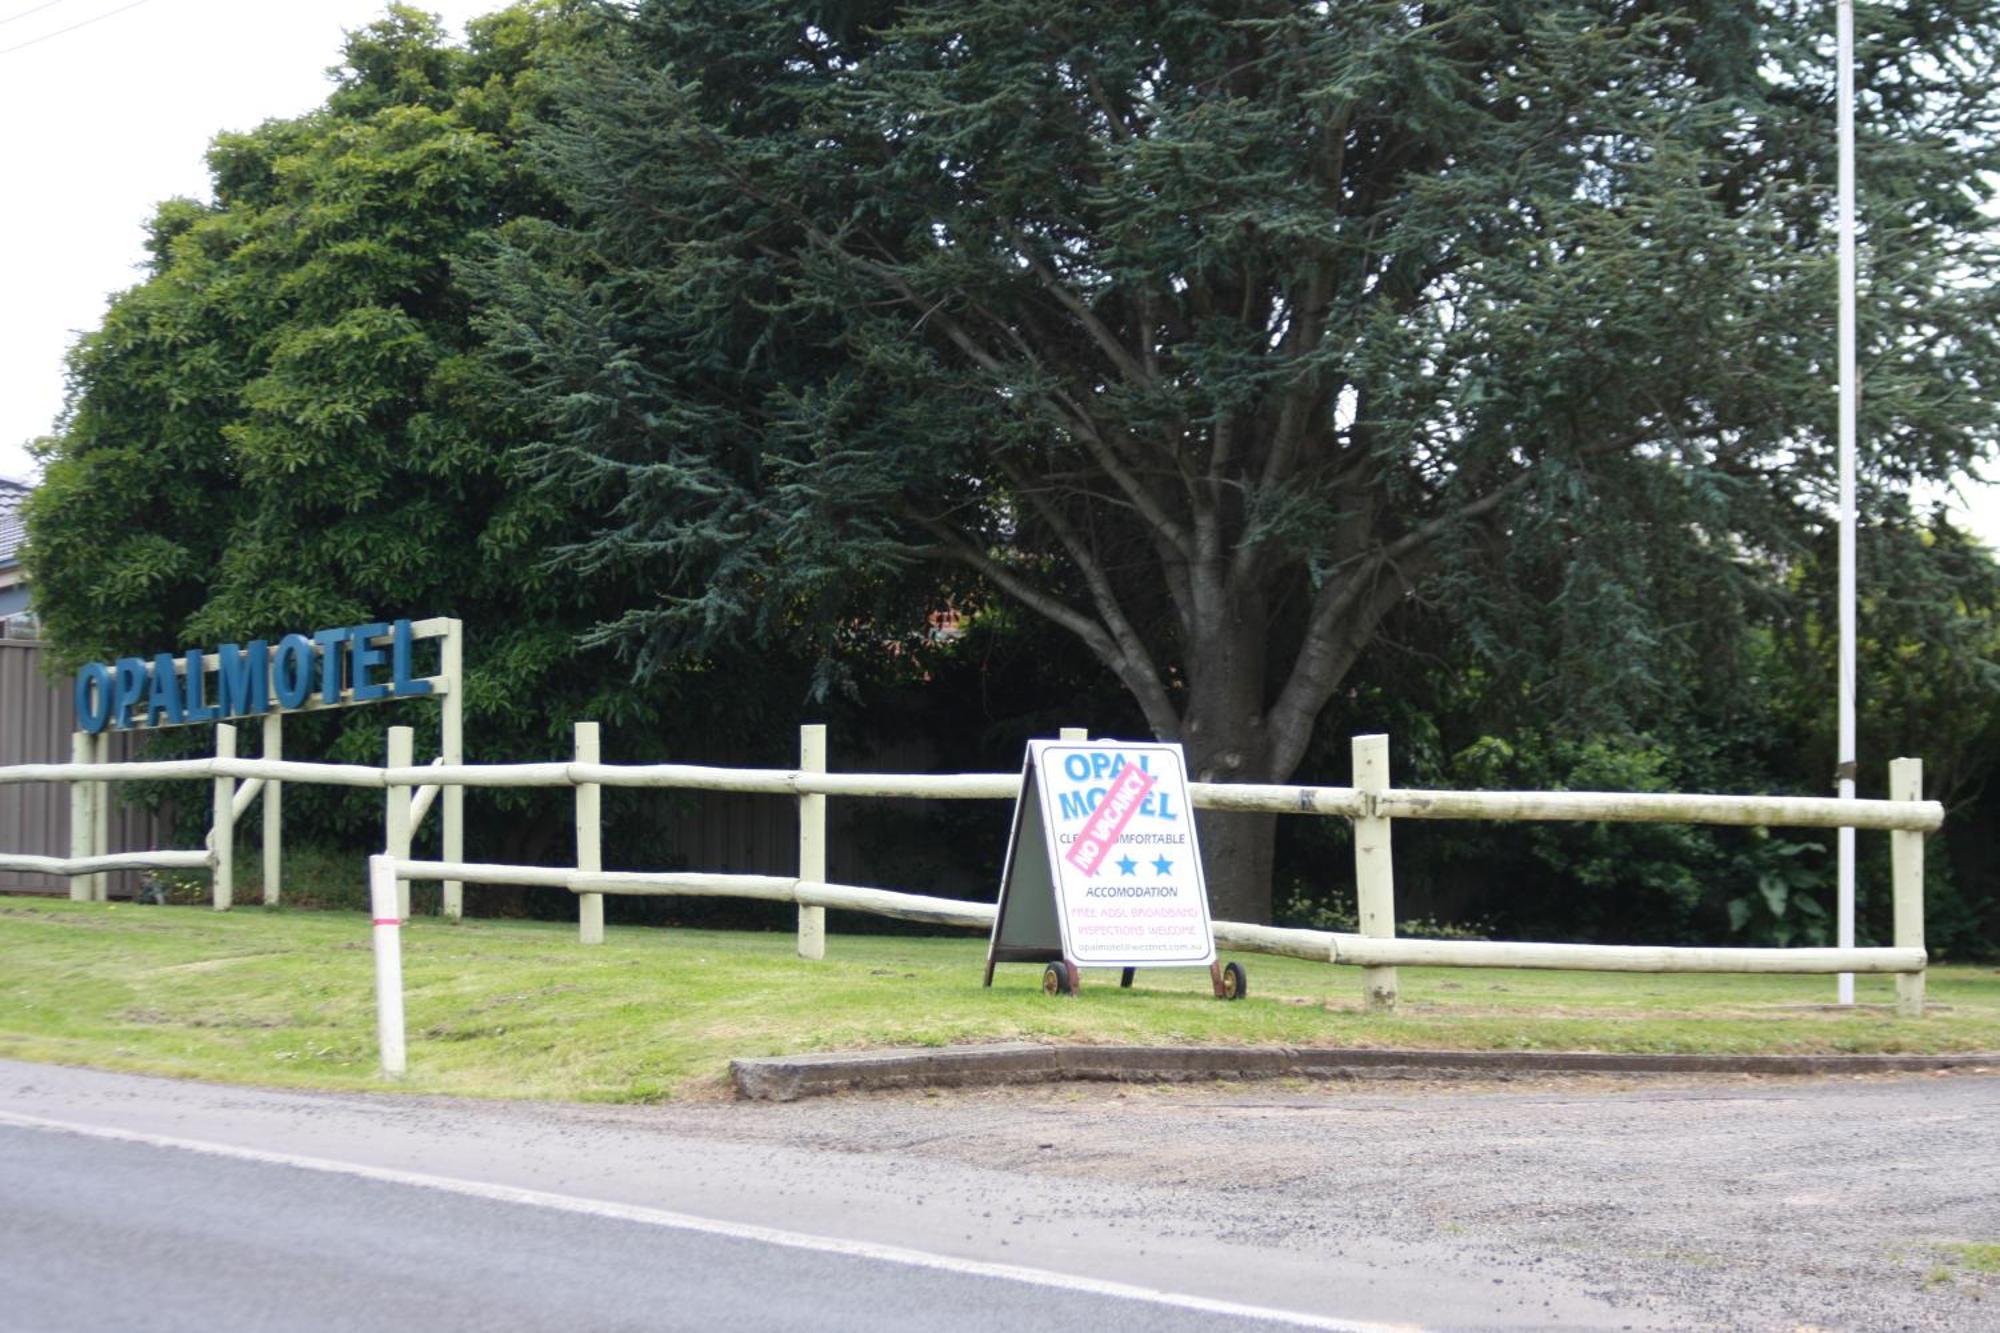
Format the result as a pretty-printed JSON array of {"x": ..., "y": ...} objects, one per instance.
[
  {"x": 1236, "y": 854},
  {"x": 1224, "y": 734}
]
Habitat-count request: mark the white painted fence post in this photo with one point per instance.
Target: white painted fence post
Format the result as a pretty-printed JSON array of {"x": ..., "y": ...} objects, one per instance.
[
  {"x": 81, "y": 819},
  {"x": 384, "y": 898},
  {"x": 1374, "y": 870},
  {"x": 274, "y": 826},
  {"x": 100, "y": 821},
  {"x": 812, "y": 841},
  {"x": 451, "y": 745},
  {"x": 222, "y": 833},
  {"x": 396, "y": 816},
  {"x": 589, "y": 839},
  {"x": 1906, "y": 879}
]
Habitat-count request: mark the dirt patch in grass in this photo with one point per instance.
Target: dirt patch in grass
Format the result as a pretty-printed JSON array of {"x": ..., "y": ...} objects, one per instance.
[{"x": 214, "y": 964}]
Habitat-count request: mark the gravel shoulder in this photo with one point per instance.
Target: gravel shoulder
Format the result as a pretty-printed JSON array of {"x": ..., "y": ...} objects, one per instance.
[{"x": 1732, "y": 1202}]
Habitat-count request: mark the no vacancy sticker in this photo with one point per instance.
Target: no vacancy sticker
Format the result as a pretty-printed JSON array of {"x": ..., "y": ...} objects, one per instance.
[{"x": 1122, "y": 850}]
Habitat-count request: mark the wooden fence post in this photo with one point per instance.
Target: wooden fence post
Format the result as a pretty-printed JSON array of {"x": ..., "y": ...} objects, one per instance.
[
  {"x": 1374, "y": 870},
  {"x": 451, "y": 745},
  {"x": 812, "y": 841},
  {"x": 274, "y": 827},
  {"x": 100, "y": 821},
  {"x": 81, "y": 821},
  {"x": 1906, "y": 878},
  {"x": 222, "y": 833},
  {"x": 383, "y": 898},
  {"x": 589, "y": 839},
  {"x": 396, "y": 815}
]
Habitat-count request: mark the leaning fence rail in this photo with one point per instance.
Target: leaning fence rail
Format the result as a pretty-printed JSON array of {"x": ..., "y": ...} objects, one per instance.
[
  {"x": 1371, "y": 804},
  {"x": 73, "y": 866}
]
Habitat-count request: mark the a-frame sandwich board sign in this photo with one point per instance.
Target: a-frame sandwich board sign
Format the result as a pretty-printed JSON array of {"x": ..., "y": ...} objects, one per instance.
[{"x": 1103, "y": 869}]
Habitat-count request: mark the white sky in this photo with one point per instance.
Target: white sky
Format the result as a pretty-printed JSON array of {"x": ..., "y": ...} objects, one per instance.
[
  {"x": 100, "y": 123},
  {"x": 106, "y": 107}
]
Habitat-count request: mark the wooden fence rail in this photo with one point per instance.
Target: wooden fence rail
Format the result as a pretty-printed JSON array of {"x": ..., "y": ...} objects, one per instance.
[
  {"x": 1393, "y": 802},
  {"x": 1371, "y": 804},
  {"x": 75, "y": 866},
  {"x": 1317, "y": 945}
]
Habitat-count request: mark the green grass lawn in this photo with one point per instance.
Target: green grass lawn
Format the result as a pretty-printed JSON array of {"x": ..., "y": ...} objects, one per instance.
[{"x": 520, "y": 1009}]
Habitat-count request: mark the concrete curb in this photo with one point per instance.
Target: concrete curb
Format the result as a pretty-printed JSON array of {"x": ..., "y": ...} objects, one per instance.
[{"x": 788, "y": 1078}]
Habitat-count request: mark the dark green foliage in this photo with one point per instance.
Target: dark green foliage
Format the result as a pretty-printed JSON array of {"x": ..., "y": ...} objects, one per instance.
[
  {"x": 290, "y": 423},
  {"x": 1249, "y": 374},
  {"x": 1756, "y": 717},
  {"x": 287, "y": 424},
  {"x": 1929, "y": 686},
  {"x": 1214, "y": 333}
]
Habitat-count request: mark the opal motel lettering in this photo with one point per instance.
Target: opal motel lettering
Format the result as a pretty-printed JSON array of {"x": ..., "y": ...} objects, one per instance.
[
  {"x": 350, "y": 664},
  {"x": 1100, "y": 767}
]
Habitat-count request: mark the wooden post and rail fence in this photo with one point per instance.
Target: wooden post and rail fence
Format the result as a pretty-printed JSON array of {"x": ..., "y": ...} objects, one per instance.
[
  {"x": 1371, "y": 804},
  {"x": 90, "y": 806}
]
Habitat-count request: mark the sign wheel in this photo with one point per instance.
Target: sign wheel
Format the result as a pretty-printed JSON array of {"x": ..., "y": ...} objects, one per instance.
[
  {"x": 1235, "y": 981},
  {"x": 1058, "y": 979}
]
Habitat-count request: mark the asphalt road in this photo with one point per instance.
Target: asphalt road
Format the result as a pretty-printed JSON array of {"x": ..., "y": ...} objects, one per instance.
[
  {"x": 142, "y": 1204},
  {"x": 126, "y": 1235}
]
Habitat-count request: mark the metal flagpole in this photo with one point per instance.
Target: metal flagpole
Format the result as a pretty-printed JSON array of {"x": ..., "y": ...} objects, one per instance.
[{"x": 1845, "y": 772}]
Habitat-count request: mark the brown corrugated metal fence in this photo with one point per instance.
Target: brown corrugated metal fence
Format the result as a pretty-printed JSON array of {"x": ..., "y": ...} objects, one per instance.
[{"x": 36, "y": 719}]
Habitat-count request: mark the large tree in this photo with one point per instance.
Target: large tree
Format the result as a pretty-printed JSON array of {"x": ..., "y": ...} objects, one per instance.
[
  {"x": 289, "y": 421},
  {"x": 1215, "y": 332}
]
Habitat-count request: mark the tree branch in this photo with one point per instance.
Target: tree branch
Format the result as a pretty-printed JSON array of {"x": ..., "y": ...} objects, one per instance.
[
  {"x": 1078, "y": 418},
  {"x": 1106, "y": 340},
  {"x": 1160, "y": 715},
  {"x": 1110, "y": 610},
  {"x": 1342, "y": 624}
]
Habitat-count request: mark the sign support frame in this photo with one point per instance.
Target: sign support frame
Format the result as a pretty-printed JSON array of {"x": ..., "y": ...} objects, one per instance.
[{"x": 1032, "y": 917}]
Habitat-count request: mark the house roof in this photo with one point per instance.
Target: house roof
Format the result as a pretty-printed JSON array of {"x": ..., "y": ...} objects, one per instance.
[{"x": 13, "y": 533}]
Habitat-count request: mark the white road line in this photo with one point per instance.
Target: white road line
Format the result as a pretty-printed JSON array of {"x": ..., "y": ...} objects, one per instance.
[{"x": 798, "y": 1240}]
